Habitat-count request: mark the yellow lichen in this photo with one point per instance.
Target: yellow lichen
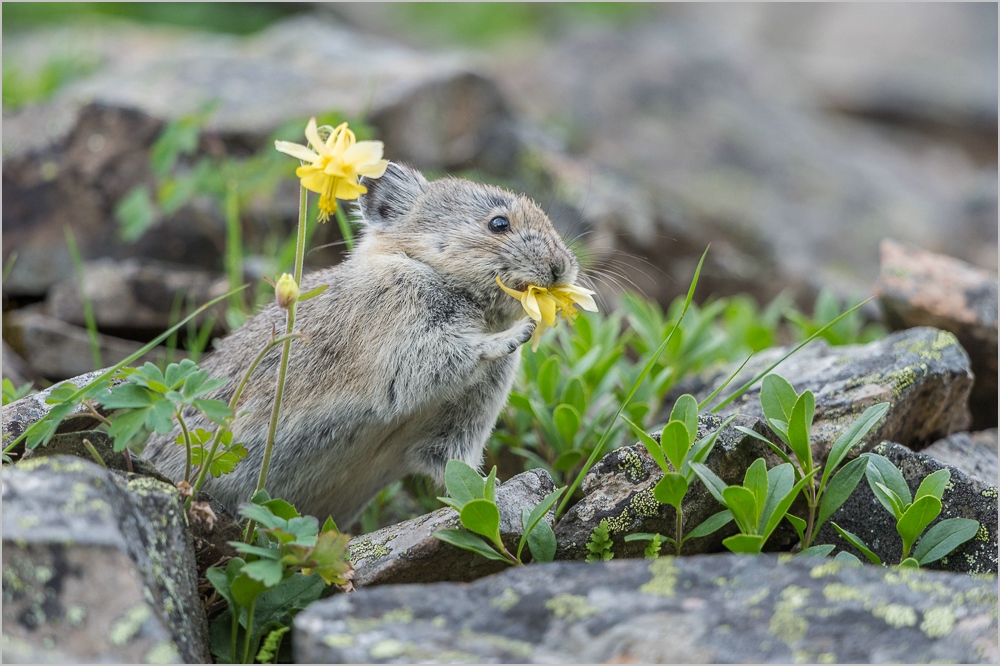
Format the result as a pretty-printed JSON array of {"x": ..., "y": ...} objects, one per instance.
[
  {"x": 570, "y": 607},
  {"x": 896, "y": 615},
  {"x": 338, "y": 640},
  {"x": 664, "y": 580},
  {"x": 506, "y": 600},
  {"x": 788, "y": 622},
  {"x": 938, "y": 621}
]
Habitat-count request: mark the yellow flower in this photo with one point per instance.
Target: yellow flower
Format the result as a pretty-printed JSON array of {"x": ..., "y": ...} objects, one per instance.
[
  {"x": 335, "y": 165},
  {"x": 543, "y": 304},
  {"x": 286, "y": 291}
]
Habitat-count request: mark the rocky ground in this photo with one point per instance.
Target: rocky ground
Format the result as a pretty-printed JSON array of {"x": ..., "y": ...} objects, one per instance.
[{"x": 834, "y": 146}]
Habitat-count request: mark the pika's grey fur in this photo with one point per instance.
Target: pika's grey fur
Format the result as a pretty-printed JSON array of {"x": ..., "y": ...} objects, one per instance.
[{"x": 414, "y": 348}]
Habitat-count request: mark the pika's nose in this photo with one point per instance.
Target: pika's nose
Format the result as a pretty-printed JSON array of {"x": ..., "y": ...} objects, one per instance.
[{"x": 557, "y": 268}]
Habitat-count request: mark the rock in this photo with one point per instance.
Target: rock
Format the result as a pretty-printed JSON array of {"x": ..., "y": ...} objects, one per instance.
[
  {"x": 14, "y": 367},
  {"x": 701, "y": 609},
  {"x": 919, "y": 288},
  {"x": 975, "y": 453},
  {"x": 72, "y": 444},
  {"x": 410, "y": 553},
  {"x": 136, "y": 297},
  {"x": 77, "y": 183},
  {"x": 20, "y": 414},
  {"x": 730, "y": 149},
  {"x": 922, "y": 372},
  {"x": 97, "y": 567},
  {"x": 965, "y": 497},
  {"x": 57, "y": 350},
  {"x": 619, "y": 489}
]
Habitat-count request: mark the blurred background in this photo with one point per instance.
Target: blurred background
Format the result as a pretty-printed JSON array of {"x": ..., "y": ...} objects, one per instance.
[{"x": 140, "y": 180}]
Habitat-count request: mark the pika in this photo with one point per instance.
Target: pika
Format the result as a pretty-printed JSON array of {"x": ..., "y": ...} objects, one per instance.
[{"x": 413, "y": 348}]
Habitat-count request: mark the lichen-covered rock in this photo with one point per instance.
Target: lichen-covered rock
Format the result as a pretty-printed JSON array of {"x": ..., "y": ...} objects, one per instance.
[
  {"x": 922, "y": 372},
  {"x": 619, "y": 489},
  {"x": 965, "y": 497},
  {"x": 701, "y": 609},
  {"x": 20, "y": 414},
  {"x": 975, "y": 453},
  {"x": 97, "y": 567},
  {"x": 410, "y": 553},
  {"x": 920, "y": 288}
]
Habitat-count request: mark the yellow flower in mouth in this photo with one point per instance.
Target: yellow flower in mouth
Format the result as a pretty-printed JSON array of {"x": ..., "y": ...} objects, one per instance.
[
  {"x": 543, "y": 304},
  {"x": 335, "y": 165}
]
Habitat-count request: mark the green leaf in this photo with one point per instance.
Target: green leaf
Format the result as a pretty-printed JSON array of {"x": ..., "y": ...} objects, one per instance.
[
  {"x": 701, "y": 449},
  {"x": 848, "y": 558},
  {"x": 312, "y": 293},
  {"x": 756, "y": 481},
  {"x": 567, "y": 460},
  {"x": 851, "y": 437},
  {"x": 127, "y": 428},
  {"x": 575, "y": 394},
  {"x": 744, "y": 543},
  {"x": 127, "y": 396},
  {"x": 780, "y": 510},
  {"x": 799, "y": 525},
  {"x": 843, "y": 484},
  {"x": 245, "y": 589},
  {"x": 490, "y": 485},
  {"x": 537, "y": 514},
  {"x": 909, "y": 563},
  {"x": 821, "y": 550},
  {"x": 713, "y": 483},
  {"x": 542, "y": 542},
  {"x": 482, "y": 517},
  {"x": 469, "y": 541},
  {"x": 675, "y": 440},
  {"x": 453, "y": 503},
  {"x": 567, "y": 422},
  {"x": 856, "y": 541},
  {"x": 710, "y": 524},
  {"x": 780, "y": 480},
  {"x": 463, "y": 482},
  {"x": 777, "y": 398},
  {"x": 259, "y": 551},
  {"x": 267, "y": 572},
  {"x": 881, "y": 470},
  {"x": 671, "y": 489},
  {"x": 281, "y": 508},
  {"x": 686, "y": 411},
  {"x": 895, "y": 503},
  {"x": 743, "y": 504},
  {"x": 943, "y": 538},
  {"x": 655, "y": 452},
  {"x": 135, "y": 213},
  {"x": 933, "y": 485},
  {"x": 262, "y": 515},
  {"x": 548, "y": 380},
  {"x": 799, "y": 426},
  {"x": 756, "y": 435},
  {"x": 915, "y": 520}
]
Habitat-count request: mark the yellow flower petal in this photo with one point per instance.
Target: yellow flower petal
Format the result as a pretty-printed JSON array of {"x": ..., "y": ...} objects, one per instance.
[
  {"x": 513, "y": 292},
  {"x": 348, "y": 188},
  {"x": 579, "y": 295},
  {"x": 530, "y": 304},
  {"x": 313, "y": 179},
  {"x": 546, "y": 304},
  {"x": 313, "y": 137},
  {"x": 296, "y": 150},
  {"x": 363, "y": 152}
]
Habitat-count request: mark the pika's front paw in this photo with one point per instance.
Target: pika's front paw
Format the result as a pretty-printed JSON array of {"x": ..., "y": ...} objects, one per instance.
[{"x": 521, "y": 333}]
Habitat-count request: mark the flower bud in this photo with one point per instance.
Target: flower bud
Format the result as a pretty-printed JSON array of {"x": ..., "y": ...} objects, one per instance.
[{"x": 286, "y": 291}]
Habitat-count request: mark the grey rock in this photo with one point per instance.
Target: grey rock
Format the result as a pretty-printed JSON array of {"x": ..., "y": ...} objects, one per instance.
[
  {"x": 701, "y": 609},
  {"x": 975, "y": 453},
  {"x": 920, "y": 288},
  {"x": 97, "y": 567},
  {"x": 965, "y": 497},
  {"x": 922, "y": 372},
  {"x": 135, "y": 296},
  {"x": 619, "y": 489},
  {"x": 19, "y": 415},
  {"x": 410, "y": 553},
  {"x": 57, "y": 350},
  {"x": 72, "y": 444}
]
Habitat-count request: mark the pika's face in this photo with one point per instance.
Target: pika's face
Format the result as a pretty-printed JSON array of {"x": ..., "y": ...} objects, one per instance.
[{"x": 469, "y": 233}]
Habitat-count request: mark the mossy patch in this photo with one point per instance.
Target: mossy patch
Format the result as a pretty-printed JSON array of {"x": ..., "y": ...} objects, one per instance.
[
  {"x": 570, "y": 607},
  {"x": 126, "y": 627},
  {"x": 896, "y": 616},
  {"x": 788, "y": 622},
  {"x": 664, "y": 580},
  {"x": 368, "y": 550},
  {"x": 506, "y": 600},
  {"x": 938, "y": 621}
]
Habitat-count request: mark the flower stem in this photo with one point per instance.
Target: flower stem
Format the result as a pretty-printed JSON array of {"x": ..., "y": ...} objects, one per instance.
[
  {"x": 345, "y": 228},
  {"x": 300, "y": 252},
  {"x": 187, "y": 446},
  {"x": 679, "y": 541}
]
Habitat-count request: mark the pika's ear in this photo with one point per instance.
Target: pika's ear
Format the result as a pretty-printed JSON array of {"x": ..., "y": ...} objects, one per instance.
[{"x": 391, "y": 196}]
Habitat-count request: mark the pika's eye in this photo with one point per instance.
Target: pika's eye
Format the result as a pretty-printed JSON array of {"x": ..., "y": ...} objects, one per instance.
[{"x": 499, "y": 225}]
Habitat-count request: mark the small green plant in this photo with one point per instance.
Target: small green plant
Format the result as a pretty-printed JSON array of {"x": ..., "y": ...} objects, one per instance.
[
  {"x": 844, "y": 331},
  {"x": 475, "y": 500},
  {"x": 656, "y": 541},
  {"x": 913, "y": 514},
  {"x": 758, "y": 505},
  {"x": 288, "y": 565},
  {"x": 12, "y": 393},
  {"x": 599, "y": 544},
  {"x": 790, "y": 417},
  {"x": 676, "y": 450}
]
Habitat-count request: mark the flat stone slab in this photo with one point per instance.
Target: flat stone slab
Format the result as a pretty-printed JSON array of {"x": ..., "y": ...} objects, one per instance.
[
  {"x": 409, "y": 552},
  {"x": 701, "y": 609},
  {"x": 975, "y": 453}
]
